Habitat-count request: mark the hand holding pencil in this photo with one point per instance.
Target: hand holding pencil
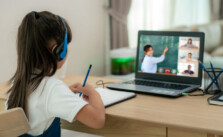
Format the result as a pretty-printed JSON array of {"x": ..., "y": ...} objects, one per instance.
[
  {"x": 87, "y": 90},
  {"x": 76, "y": 88}
]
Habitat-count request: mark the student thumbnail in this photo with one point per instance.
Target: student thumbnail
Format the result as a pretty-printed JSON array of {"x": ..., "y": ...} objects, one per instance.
[
  {"x": 188, "y": 71},
  {"x": 190, "y": 58},
  {"x": 189, "y": 44}
]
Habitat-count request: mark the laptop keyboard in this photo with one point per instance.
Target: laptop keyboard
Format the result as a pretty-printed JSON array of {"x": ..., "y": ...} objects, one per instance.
[{"x": 157, "y": 84}]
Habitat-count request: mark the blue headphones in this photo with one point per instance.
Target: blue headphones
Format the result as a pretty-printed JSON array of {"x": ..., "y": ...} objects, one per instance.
[{"x": 61, "y": 50}]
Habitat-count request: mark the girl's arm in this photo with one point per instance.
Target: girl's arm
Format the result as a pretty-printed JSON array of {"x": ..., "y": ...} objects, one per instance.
[{"x": 93, "y": 114}]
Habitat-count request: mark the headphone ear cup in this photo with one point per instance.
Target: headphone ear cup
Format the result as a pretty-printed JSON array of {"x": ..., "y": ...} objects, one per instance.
[{"x": 58, "y": 50}]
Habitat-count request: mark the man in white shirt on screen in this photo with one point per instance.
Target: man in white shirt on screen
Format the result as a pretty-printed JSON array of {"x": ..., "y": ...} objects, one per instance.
[{"x": 149, "y": 63}]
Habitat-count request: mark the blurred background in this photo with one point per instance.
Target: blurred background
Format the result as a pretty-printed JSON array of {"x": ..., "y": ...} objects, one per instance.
[{"x": 106, "y": 30}]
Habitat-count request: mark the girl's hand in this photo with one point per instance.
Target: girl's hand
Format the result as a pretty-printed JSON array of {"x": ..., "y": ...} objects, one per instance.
[
  {"x": 87, "y": 90},
  {"x": 85, "y": 97}
]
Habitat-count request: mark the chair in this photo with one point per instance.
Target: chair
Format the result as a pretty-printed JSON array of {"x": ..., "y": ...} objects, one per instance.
[{"x": 13, "y": 123}]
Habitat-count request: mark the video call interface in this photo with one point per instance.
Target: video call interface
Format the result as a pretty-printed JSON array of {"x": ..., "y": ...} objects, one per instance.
[{"x": 169, "y": 55}]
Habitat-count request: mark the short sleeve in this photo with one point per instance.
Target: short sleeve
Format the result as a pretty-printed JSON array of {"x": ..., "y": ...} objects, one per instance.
[{"x": 63, "y": 103}]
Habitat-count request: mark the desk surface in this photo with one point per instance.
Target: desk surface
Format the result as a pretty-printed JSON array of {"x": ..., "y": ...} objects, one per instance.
[{"x": 186, "y": 112}]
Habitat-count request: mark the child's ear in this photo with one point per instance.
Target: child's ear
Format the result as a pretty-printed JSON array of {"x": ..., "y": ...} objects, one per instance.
[{"x": 53, "y": 47}]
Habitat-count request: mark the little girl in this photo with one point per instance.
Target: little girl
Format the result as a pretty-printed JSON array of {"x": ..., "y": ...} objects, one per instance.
[
  {"x": 149, "y": 63},
  {"x": 42, "y": 48}
]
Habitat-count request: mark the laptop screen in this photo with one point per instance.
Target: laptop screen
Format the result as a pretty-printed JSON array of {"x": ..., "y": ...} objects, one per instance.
[{"x": 169, "y": 54}]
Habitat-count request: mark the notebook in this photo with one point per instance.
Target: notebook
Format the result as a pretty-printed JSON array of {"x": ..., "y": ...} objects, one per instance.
[{"x": 111, "y": 97}]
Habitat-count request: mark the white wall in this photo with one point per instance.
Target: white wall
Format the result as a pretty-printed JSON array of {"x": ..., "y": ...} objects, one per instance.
[{"x": 85, "y": 17}]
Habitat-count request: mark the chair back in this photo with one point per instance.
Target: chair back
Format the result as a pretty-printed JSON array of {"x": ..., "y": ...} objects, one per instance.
[{"x": 13, "y": 123}]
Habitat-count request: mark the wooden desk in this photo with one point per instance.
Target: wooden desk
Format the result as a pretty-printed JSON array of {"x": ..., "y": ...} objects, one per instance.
[{"x": 152, "y": 116}]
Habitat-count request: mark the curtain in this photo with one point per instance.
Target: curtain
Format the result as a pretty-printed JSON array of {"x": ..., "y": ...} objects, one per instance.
[
  {"x": 191, "y": 12},
  {"x": 221, "y": 10},
  {"x": 216, "y": 9},
  {"x": 118, "y": 12},
  {"x": 164, "y": 14},
  {"x": 148, "y": 15}
]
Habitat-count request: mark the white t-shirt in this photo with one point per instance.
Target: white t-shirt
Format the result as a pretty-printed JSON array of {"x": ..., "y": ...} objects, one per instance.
[
  {"x": 149, "y": 63},
  {"x": 51, "y": 99}
]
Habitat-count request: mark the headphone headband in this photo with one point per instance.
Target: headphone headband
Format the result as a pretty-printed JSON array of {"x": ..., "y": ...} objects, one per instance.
[
  {"x": 64, "y": 24},
  {"x": 61, "y": 50}
]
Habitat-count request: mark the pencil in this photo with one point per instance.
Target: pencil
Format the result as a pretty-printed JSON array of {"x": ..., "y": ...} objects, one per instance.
[
  {"x": 212, "y": 68},
  {"x": 85, "y": 80},
  {"x": 208, "y": 73}
]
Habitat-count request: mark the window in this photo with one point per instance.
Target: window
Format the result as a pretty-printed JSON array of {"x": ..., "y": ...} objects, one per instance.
[{"x": 163, "y": 14}]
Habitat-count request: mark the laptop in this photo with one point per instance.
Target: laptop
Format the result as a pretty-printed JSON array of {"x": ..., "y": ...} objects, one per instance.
[{"x": 167, "y": 63}]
